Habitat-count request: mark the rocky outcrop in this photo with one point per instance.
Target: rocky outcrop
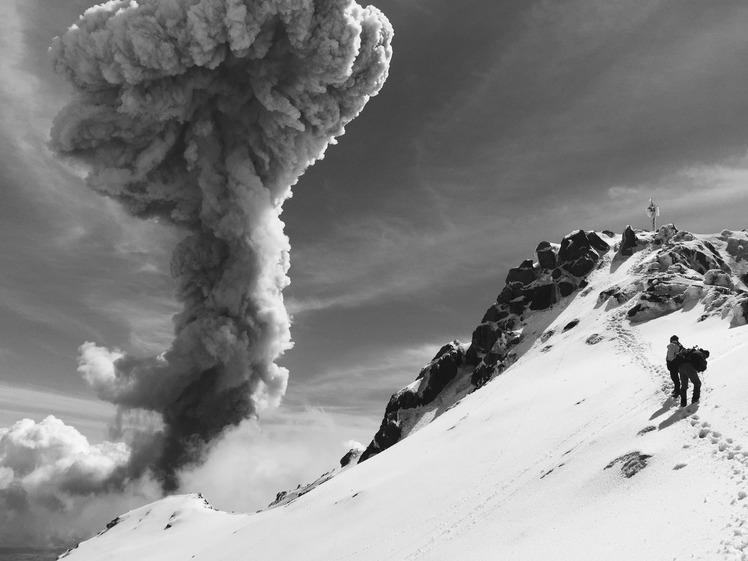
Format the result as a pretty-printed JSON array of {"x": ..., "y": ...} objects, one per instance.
[
  {"x": 430, "y": 382},
  {"x": 547, "y": 255},
  {"x": 439, "y": 373},
  {"x": 352, "y": 457},
  {"x": 665, "y": 234},
  {"x": 285, "y": 497},
  {"x": 676, "y": 269},
  {"x": 717, "y": 277},
  {"x": 544, "y": 296},
  {"x": 597, "y": 243},
  {"x": 561, "y": 269},
  {"x": 524, "y": 274},
  {"x": 662, "y": 295},
  {"x": 741, "y": 311},
  {"x": 629, "y": 241},
  {"x": 683, "y": 268},
  {"x": 737, "y": 244},
  {"x": 695, "y": 255},
  {"x": 631, "y": 463}
]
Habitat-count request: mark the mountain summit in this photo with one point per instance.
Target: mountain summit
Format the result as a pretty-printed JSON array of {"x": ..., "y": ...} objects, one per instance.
[
  {"x": 677, "y": 269},
  {"x": 550, "y": 435}
]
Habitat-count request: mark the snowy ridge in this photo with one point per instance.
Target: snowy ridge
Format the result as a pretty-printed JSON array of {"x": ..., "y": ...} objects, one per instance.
[
  {"x": 500, "y": 339},
  {"x": 575, "y": 451},
  {"x": 679, "y": 269}
]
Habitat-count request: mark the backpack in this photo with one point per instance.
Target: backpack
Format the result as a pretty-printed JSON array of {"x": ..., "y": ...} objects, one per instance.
[{"x": 696, "y": 356}]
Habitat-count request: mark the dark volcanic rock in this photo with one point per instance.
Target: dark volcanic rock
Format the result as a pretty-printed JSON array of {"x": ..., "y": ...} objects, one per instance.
[
  {"x": 481, "y": 375},
  {"x": 495, "y": 313},
  {"x": 492, "y": 364},
  {"x": 452, "y": 348},
  {"x": 485, "y": 335},
  {"x": 524, "y": 274},
  {"x": 543, "y": 297},
  {"x": 505, "y": 296},
  {"x": 440, "y": 373},
  {"x": 571, "y": 325},
  {"x": 546, "y": 255},
  {"x": 352, "y": 456},
  {"x": 628, "y": 241},
  {"x": 388, "y": 434},
  {"x": 573, "y": 246},
  {"x": 565, "y": 288},
  {"x": 433, "y": 378},
  {"x": 582, "y": 266},
  {"x": 517, "y": 306},
  {"x": 578, "y": 255},
  {"x": 597, "y": 242}
]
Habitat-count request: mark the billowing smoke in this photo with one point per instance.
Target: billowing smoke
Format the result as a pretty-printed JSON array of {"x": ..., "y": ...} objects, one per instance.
[{"x": 204, "y": 113}]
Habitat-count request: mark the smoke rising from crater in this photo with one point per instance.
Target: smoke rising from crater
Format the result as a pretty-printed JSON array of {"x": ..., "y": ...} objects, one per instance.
[{"x": 204, "y": 113}]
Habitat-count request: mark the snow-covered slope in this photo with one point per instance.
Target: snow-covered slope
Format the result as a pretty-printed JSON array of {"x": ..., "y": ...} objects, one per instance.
[{"x": 574, "y": 451}]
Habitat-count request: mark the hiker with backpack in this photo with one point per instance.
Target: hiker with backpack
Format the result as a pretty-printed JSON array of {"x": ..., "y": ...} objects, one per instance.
[
  {"x": 688, "y": 362},
  {"x": 672, "y": 351}
]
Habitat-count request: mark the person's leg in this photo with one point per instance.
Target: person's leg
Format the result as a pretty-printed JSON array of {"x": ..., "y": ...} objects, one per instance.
[
  {"x": 694, "y": 377},
  {"x": 683, "y": 385},
  {"x": 675, "y": 378}
]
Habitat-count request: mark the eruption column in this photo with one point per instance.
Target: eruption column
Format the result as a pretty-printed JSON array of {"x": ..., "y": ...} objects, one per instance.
[{"x": 204, "y": 113}]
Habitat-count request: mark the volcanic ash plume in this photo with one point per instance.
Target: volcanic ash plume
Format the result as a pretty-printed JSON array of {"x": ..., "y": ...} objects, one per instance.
[{"x": 205, "y": 113}]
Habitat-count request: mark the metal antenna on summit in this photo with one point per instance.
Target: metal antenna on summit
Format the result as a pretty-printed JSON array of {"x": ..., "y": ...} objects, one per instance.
[{"x": 653, "y": 211}]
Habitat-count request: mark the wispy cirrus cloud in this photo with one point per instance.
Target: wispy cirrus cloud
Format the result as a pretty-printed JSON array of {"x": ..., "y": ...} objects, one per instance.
[
  {"x": 383, "y": 258},
  {"x": 362, "y": 380},
  {"x": 91, "y": 416}
]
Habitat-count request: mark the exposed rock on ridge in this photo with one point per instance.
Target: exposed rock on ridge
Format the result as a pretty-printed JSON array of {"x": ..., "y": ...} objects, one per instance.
[
  {"x": 457, "y": 369},
  {"x": 678, "y": 268},
  {"x": 685, "y": 269}
]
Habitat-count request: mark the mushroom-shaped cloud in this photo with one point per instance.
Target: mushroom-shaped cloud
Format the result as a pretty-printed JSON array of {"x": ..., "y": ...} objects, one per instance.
[{"x": 204, "y": 113}]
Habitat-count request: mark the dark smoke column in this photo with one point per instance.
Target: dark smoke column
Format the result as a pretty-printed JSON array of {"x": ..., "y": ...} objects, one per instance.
[{"x": 205, "y": 113}]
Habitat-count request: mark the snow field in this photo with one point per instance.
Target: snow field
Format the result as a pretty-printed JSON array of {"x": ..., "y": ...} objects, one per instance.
[{"x": 574, "y": 453}]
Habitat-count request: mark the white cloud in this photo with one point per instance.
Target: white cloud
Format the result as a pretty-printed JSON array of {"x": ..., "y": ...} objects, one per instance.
[{"x": 54, "y": 483}]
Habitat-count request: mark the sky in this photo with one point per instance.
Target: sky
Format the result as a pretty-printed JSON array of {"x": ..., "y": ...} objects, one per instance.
[{"x": 501, "y": 124}]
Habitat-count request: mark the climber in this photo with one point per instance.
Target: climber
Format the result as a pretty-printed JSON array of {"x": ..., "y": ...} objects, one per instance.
[
  {"x": 689, "y": 362},
  {"x": 672, "y": 363}
]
